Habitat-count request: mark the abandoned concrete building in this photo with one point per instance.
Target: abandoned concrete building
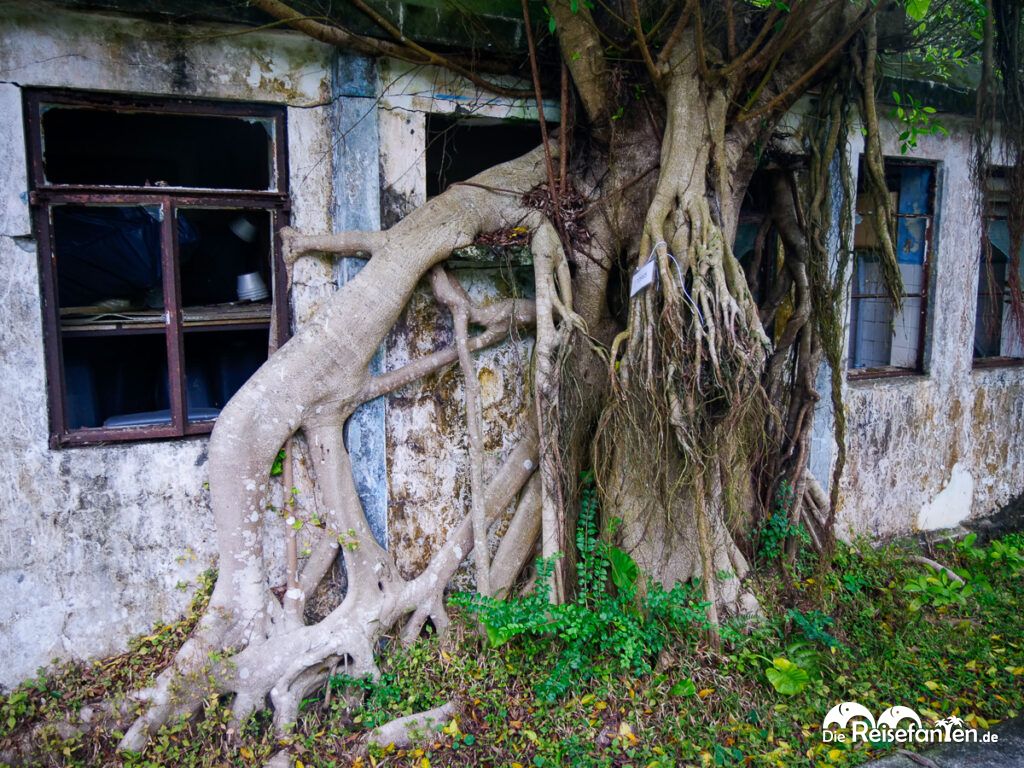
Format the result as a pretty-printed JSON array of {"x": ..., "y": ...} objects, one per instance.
[{"x": 132, "y": 146}]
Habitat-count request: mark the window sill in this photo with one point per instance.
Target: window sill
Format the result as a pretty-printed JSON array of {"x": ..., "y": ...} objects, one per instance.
[
  {"x": 115, "y": 435},
  {"x": 854, "y": 375},
  {"x": 983, "y": 363}
]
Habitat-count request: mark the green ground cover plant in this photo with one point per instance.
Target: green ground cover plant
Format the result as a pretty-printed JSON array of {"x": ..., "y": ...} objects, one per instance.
[{"x": 621, "y": 676}]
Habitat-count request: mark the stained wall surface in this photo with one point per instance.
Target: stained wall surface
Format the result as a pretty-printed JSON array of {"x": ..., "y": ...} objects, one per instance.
[{"x": 927, "y": 451}]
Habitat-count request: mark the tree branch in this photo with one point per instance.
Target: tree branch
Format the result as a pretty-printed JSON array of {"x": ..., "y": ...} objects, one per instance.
[
  {"x": 406, "y": 50},
  {"x": 584, "y": 55},
  {"x": 783, "y": 100}
]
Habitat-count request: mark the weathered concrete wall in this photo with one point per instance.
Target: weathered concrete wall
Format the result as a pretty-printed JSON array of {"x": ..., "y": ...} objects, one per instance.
[
  {"x": 926, "y": 451},
  {"x": 96, "y": 541}
]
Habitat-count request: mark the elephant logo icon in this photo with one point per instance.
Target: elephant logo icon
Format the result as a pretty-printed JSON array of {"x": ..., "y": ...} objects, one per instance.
[
  {"x": 893, "y": 715},
  {"x": 841, "y": 714}
]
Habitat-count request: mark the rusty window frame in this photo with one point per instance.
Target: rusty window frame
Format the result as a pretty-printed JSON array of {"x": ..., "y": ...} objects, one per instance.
[
  {"x": 918, "y": 368},
  {"x": 44, "y": 196},
  {"x": 992, "y": 361}
]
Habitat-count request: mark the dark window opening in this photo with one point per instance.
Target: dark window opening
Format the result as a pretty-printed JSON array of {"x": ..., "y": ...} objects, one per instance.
[
  {"x": 221, "y": 246},
  {"x": 111, "y": 379},
  {"x": 159, "y": 302},
  {"x": 219, "y": 362},
  {"x": 882, "y": 342},
  {"x": 996, "y": 340},
  {"x": 756, "y": 258},
  {"x": 107, "y": 256},
  {"x": 85, "y": 145},
  {"x": 459, "y": 148}
]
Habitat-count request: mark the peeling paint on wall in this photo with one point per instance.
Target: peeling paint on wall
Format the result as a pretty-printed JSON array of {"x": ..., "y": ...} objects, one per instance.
[{"x": 952, "y": 505}]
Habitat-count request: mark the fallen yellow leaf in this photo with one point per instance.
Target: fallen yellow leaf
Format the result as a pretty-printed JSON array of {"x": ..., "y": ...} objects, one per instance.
[{"x": 705, "y": 692}]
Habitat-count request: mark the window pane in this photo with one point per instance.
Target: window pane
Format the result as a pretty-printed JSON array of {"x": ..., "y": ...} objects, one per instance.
[
  {"x": 871, "y": 333},
  {"x": 994, "y": 332},
  {"x": 115, "y": 381},
  {"x": 217, "y": 364},
  {"x": 108, "y": 259},
  {"x": 878, "y": 339},
  {"x": 87, "y": 145},
  {"x": 224, "y": 264},
  {"x": 906, "y": 334},
  {"x": 988, "y": 320}
]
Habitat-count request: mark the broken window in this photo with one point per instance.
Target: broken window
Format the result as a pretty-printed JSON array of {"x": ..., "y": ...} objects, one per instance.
[
  {"x": 881, "y": 342},
  {"x": 459, "y": 147},
  {"x": 996, "y": 341},
  {"x": 157, "y": 223}
]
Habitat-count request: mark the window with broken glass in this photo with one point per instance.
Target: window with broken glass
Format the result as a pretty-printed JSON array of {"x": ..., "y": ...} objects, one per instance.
[
  {"x": 884, "y": 342},
  {"x": 996, "y": 340},
  {"x": 157, "y": 226}
]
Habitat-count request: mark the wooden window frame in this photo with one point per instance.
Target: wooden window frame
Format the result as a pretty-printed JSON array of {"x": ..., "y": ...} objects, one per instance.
[
  {"x": 882, "y": 372},
  {"x": 44, "y": 196}
]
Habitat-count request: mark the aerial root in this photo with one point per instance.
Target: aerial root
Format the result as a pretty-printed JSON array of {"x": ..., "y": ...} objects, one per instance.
[
  {"x": 937, "y": 567},
  {"x": 408, "y": 730}
]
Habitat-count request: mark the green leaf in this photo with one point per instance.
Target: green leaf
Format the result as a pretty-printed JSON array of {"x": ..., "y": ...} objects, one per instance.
[
  {"x": 624, "y": 569},
  {"x": 683, "y": 688},
  {"x": 786, "y": 677},
  {"x": 551, "y": 24},
  {"x": 497, "y": 636},
  {"x": 917, "y": 9},
  {"x": 278, "y": 466}
]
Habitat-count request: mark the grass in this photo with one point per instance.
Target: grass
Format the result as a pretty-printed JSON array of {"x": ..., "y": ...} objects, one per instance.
[{"x": 939, "y": 649}]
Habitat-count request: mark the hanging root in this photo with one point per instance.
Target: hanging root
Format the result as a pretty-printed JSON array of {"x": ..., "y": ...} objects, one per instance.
[
  {"x": 884, "y": 217},
  {"x": 688, "y": 377}
]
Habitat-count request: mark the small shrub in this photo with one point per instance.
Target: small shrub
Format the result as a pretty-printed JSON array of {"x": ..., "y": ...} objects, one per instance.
[
  {"x": 814, "y": 625},
  {"x": 776, "y": 528},
  {"x": 937, "y": 591},
  {"x": 609, "y": 624}
]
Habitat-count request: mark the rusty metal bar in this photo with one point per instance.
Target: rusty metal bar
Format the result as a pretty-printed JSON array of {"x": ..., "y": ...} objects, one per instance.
[
  {"x": 196, "y": 198},
  {"x": 172, "y": 305},
  {"x": 52, "y": 343},
  {"x": 100, "y": 435}
]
